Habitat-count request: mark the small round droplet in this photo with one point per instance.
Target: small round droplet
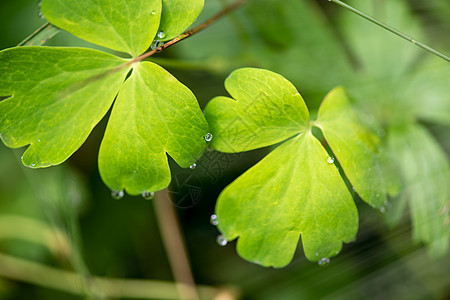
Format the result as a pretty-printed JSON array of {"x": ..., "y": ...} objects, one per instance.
[
  {"x": 39, "y": 140},
  {"x": 383, "y": 209},
  {"x": 117, "y": 195},
  {"x": 148, "y": 195},
  {"x": 161, "y": 34},
  {"x": 213, "y": 220},
  {"x": 193, "y": 166},
  {"x": 208, "y": 137},
  {"x": 323, "y": 262},
  {"x": 222, "y": 241},
  {"x": 156, "y": 44},
  {"x": 153, "y": 13},
  {"x": 33, "y": 164},
  {"x": 330, "y": 159}
]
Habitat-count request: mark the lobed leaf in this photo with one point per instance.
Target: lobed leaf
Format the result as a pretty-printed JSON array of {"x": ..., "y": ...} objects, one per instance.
[
  {"x": 53, "y": 104},
  {"x": 177, "y": 16},
  {"x": 126, "y": 26},
  {"x": 154, "y": 114},
  {"x": 292, "y": 191},
  {"x": 268, "y": 109},
  {"x": 353, "y": 145}
]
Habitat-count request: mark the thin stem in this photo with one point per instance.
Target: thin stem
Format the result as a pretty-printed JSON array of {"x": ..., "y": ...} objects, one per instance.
[
  {"x": 191, "y": 32},
  {"x": 41, "y": 35},
  {"x": 70, "y": 282},
  {"x": 391, "y": 29},
  {"x": 174, "y": 244}
]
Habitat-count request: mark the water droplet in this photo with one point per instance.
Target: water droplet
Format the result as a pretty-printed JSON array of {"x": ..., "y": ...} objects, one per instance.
[
  {"x": 354, "y": 189},
  {"x": 33, "y": 164},
  {"x": 117, "y": 195},
  {"x": 208, "y": 137},
  {"x": 134, "y": 171},
  {"x": 317, "y": 254},
  {"x": 193, "y": 166},
  {"x": 383, "y": 209},
  {"x": 161, "y": 34},
  {"x": 221, "y": 240},
  {"x": 39, "y": 140},
  {"x": 337, "y": 252},
  {"x": 323, "y": 262},
  {"x": 213, "y": 220},
  {"x": 156, "y": 44},
  {"x": 330, "y": 159},
  {"x": 40, "y": 14},
  {"x": 153, "y": 13},
  {"x": 148, "y": 195}
]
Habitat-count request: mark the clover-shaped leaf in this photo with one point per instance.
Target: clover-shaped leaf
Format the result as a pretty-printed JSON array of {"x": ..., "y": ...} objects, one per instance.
[
  {"x": 153, "y": 114},
  {"x": 46, "y": 109},
  {"x": 296, "y": 189},
  {"x": 261, "y": 117},
  {"x": 55, "y": 96},
  {"x": 126, "y": 26}
]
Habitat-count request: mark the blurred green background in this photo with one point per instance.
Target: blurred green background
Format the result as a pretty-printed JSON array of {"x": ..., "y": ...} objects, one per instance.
[{"x": 64, "y": 217}]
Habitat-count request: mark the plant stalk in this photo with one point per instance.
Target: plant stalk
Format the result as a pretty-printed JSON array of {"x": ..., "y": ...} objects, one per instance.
[
  {"x": 392, "y": 29},
  {"x": 174, "y": 245}
]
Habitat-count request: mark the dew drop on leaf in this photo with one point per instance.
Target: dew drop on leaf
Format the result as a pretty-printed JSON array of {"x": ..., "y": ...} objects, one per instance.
[
  {"x": 161, "y": 34},
  {"x": 33, "y": 164},
  {"x": 221, "y": 240},
  {"x": 213, "y": 220},
  {"x": 153, "y": 13},
  {"x": 156, "y": 44},
  {"x": 117, "y": 195},
  {"x": 323, "y": 262},
  {"x": 193, "y": 166},
  {"x": 330, "y": 160},
  {"x": 148, "y": 195},
  {"x": 208, "y": 137}
]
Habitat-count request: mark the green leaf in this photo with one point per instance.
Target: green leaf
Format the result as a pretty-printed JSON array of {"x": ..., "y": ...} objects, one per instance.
[
  {"x": 353, "y": 145},
  {"x": 177, "y": 16},
  {"x": 425, "y": 172},
  {"x": 126, "y": 26},
  {"x": 154, "y": 114},
  {"x": 267, "y": 110},
  {"x": 292, "y": 191},
  {"x": 52, "y": 107}
]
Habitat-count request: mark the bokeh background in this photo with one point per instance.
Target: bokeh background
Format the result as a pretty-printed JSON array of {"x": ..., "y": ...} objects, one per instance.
[{"x": 65, "y": 219}]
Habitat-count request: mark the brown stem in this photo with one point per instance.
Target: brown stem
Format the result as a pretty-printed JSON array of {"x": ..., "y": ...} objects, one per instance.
[
  {"x": 191, "y": 32},
  {"x": 174, "y": 245}
]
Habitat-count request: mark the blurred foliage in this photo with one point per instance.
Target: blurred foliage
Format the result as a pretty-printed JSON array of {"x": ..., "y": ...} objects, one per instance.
[{"x": 314, "y": 44}]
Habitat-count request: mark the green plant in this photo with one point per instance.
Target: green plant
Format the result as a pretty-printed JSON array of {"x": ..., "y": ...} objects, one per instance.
[{"x": 45, "y": 103}]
